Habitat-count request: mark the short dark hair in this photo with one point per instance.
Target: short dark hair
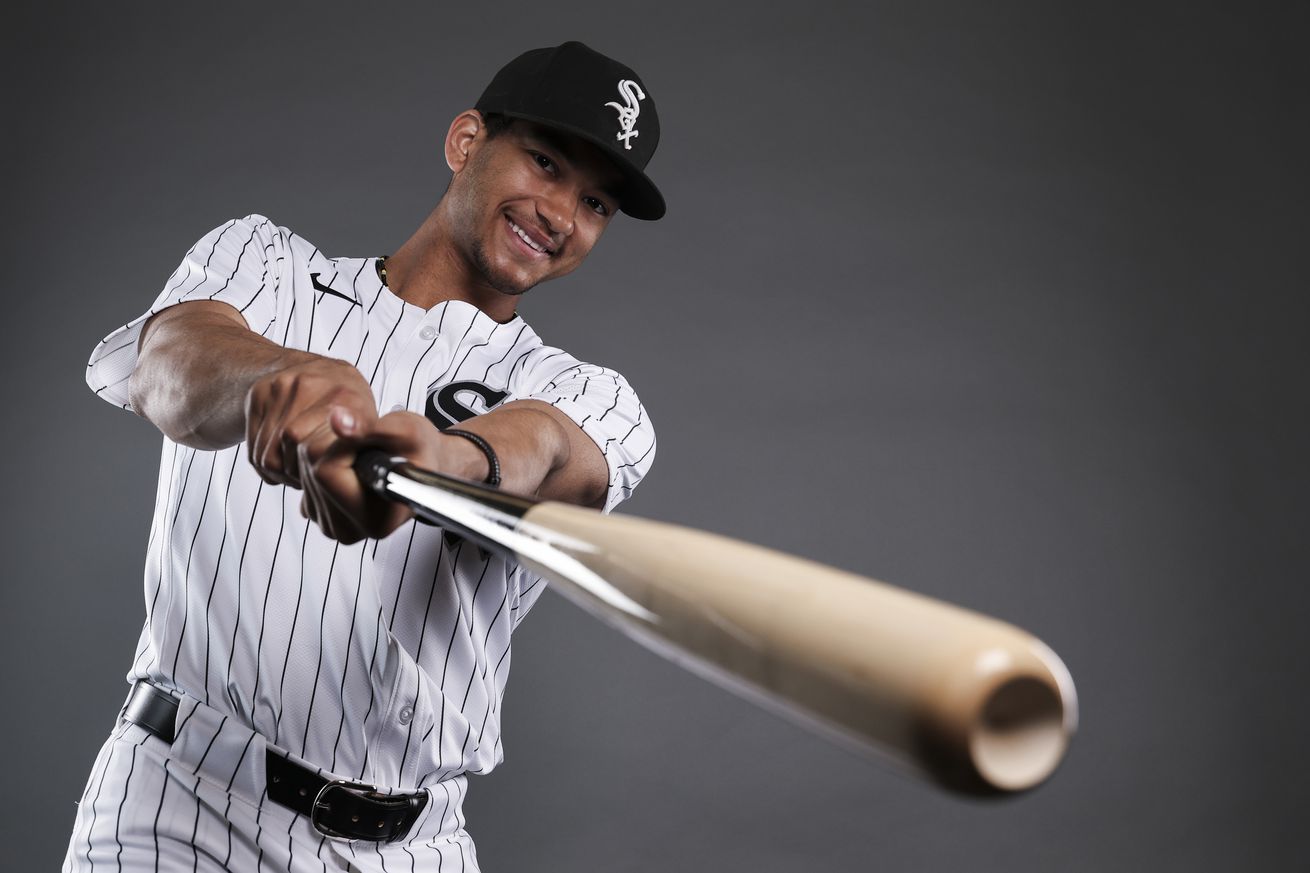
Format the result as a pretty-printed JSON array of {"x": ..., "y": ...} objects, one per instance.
[{"x": 496, "y": 123}]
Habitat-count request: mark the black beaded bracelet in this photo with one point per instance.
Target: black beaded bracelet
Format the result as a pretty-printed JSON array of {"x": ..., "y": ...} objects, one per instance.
[{"x": 493, "y": 463}]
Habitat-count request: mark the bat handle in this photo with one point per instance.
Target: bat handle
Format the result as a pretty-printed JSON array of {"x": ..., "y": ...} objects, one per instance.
[{"x": 469, "y": 509}]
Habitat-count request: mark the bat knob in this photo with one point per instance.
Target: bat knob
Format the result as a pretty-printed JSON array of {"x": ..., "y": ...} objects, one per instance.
[
  {"x": 1021, "y": 734},
  {"x": 1011, "y": 725},
  {"x": 372, "y": 467}
]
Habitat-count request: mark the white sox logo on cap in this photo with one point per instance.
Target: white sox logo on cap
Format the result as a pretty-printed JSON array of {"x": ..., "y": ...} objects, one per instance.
[{"x": 632, "y": 94}]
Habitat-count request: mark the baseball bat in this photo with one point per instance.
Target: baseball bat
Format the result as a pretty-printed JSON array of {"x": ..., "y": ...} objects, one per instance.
[{"x": 968, "y": 702}]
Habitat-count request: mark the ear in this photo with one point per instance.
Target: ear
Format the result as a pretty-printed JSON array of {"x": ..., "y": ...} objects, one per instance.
[{"x": 464, "y": 132}]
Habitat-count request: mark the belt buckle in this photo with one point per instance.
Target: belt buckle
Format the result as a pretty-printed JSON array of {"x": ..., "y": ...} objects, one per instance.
[{"x": 322, "y": 804}]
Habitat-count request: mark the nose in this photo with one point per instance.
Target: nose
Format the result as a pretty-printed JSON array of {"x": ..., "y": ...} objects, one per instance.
[{"x": 557, "y": 208}]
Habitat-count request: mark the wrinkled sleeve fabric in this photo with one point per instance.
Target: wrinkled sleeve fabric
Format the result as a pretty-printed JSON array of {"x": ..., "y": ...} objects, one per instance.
[
  {"x": 238, "y": 263},
  {"x": 603, "y": 404}
]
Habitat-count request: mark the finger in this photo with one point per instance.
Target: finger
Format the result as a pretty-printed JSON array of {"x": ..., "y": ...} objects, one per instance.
[
  {"x": 259, "y": 405},
  {"x": 343, "y": 500},
  {"x": 321, "y": 512},
  {"x": 356, "y": 512},
  {"x": 254, "y": 415},
  {"x": 302, "y": 442},
  {"x": 269, "y": 459},
  {"x": 313, "y": 498},
  {"x": 340, "y": 522},
  {"x": 333, "y": 518},
  {"x": 335, "y": 495},
  {"x": 335, "y": 498}
]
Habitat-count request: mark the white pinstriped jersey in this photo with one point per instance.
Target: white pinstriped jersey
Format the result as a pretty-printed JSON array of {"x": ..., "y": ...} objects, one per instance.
[{"x": 384, "y": 661}]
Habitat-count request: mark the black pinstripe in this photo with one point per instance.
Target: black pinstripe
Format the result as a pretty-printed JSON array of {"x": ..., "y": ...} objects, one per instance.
[
  {"x": 318, "y": 670},
  {"x": 295, "y": 617},
  {"x": 154, "y": 828},
  {"x": 186, "y": 587},
  {"x": 354, "y": 614},
  {"x": 118, "y": 819},
  {"x": 95, "y": 801},
  {"x": 213, "y": 584},
  {"x": 263, "y": 618},
  {"x": 236, "y": 623},
  {"x": 377, "y": 636}
]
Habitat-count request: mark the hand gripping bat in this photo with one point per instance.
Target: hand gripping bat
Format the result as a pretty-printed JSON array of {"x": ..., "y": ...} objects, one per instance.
[{"x": 968, "y": 702}]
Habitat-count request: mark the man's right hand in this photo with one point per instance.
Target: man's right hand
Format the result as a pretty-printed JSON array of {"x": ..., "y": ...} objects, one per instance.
[{"x": 288, "y": 409}]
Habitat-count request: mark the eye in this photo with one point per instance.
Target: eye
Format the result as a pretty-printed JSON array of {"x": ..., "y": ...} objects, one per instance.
[
  {"x": 544, "y": 162},
  {"x": 596, "y": 205}
]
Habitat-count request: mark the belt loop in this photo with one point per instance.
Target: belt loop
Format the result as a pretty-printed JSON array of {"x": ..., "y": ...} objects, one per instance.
[{"x": 153, "y": 709}]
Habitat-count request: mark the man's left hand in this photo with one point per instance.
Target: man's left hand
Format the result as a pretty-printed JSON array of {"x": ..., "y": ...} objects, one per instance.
[{"x": 334, "y": 497}]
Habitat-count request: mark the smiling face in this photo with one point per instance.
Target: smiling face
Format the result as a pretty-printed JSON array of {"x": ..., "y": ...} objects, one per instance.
[{"x": 526, "y": 205}]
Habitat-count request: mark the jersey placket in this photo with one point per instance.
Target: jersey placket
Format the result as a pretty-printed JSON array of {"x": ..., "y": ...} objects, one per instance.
[{"x": 402, "y": 382}]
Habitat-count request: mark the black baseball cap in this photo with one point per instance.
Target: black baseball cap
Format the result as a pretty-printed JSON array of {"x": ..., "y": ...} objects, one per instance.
[{"x": 579, "y": 91}]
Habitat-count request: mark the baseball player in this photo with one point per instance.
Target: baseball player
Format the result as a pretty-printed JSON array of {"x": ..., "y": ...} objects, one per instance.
[{"x": 319, "y": 673}]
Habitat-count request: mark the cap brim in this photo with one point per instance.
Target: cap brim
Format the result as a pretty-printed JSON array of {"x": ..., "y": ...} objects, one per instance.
[{"x": 638, "y": 197}]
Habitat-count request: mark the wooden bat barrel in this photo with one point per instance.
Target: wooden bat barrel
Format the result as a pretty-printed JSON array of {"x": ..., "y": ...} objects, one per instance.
[
  {"x": 972, "y": 703},
  {"x": 975, "y": 704}
]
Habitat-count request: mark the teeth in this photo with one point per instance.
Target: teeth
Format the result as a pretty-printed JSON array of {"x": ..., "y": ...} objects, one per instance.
[{"x": 523, "y": 236}]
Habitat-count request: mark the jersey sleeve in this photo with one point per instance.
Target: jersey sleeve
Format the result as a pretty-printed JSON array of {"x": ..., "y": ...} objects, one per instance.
[
  {"x": 238, "y": 263},
  {"x": 603, "y": 404}
]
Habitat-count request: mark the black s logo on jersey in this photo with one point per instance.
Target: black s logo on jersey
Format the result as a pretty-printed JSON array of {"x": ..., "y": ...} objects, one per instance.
[{"x": 445, "y": 409}]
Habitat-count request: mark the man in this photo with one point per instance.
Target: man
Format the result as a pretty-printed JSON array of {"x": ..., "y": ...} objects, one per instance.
[{"x": 318, "y": 672}]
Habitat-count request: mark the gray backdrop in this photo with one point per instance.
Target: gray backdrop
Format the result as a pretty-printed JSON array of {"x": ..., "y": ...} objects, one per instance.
[{"x": 1003, "y": 303}]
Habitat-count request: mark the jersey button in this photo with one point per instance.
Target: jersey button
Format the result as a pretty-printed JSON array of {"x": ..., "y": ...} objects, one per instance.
[
  {"x": 406, "y": 713},
  {"x": 397, "y": 407},
  {"x": 428, "y": 332}
]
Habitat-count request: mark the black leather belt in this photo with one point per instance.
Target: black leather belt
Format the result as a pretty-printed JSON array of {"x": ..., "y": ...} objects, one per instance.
[{"x": 335, "y": 807}]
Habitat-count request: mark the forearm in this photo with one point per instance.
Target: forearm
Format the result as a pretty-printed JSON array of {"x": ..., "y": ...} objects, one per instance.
[
  {"x": 194, "y": 371},
  {"x": 541, "y": 453}
]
